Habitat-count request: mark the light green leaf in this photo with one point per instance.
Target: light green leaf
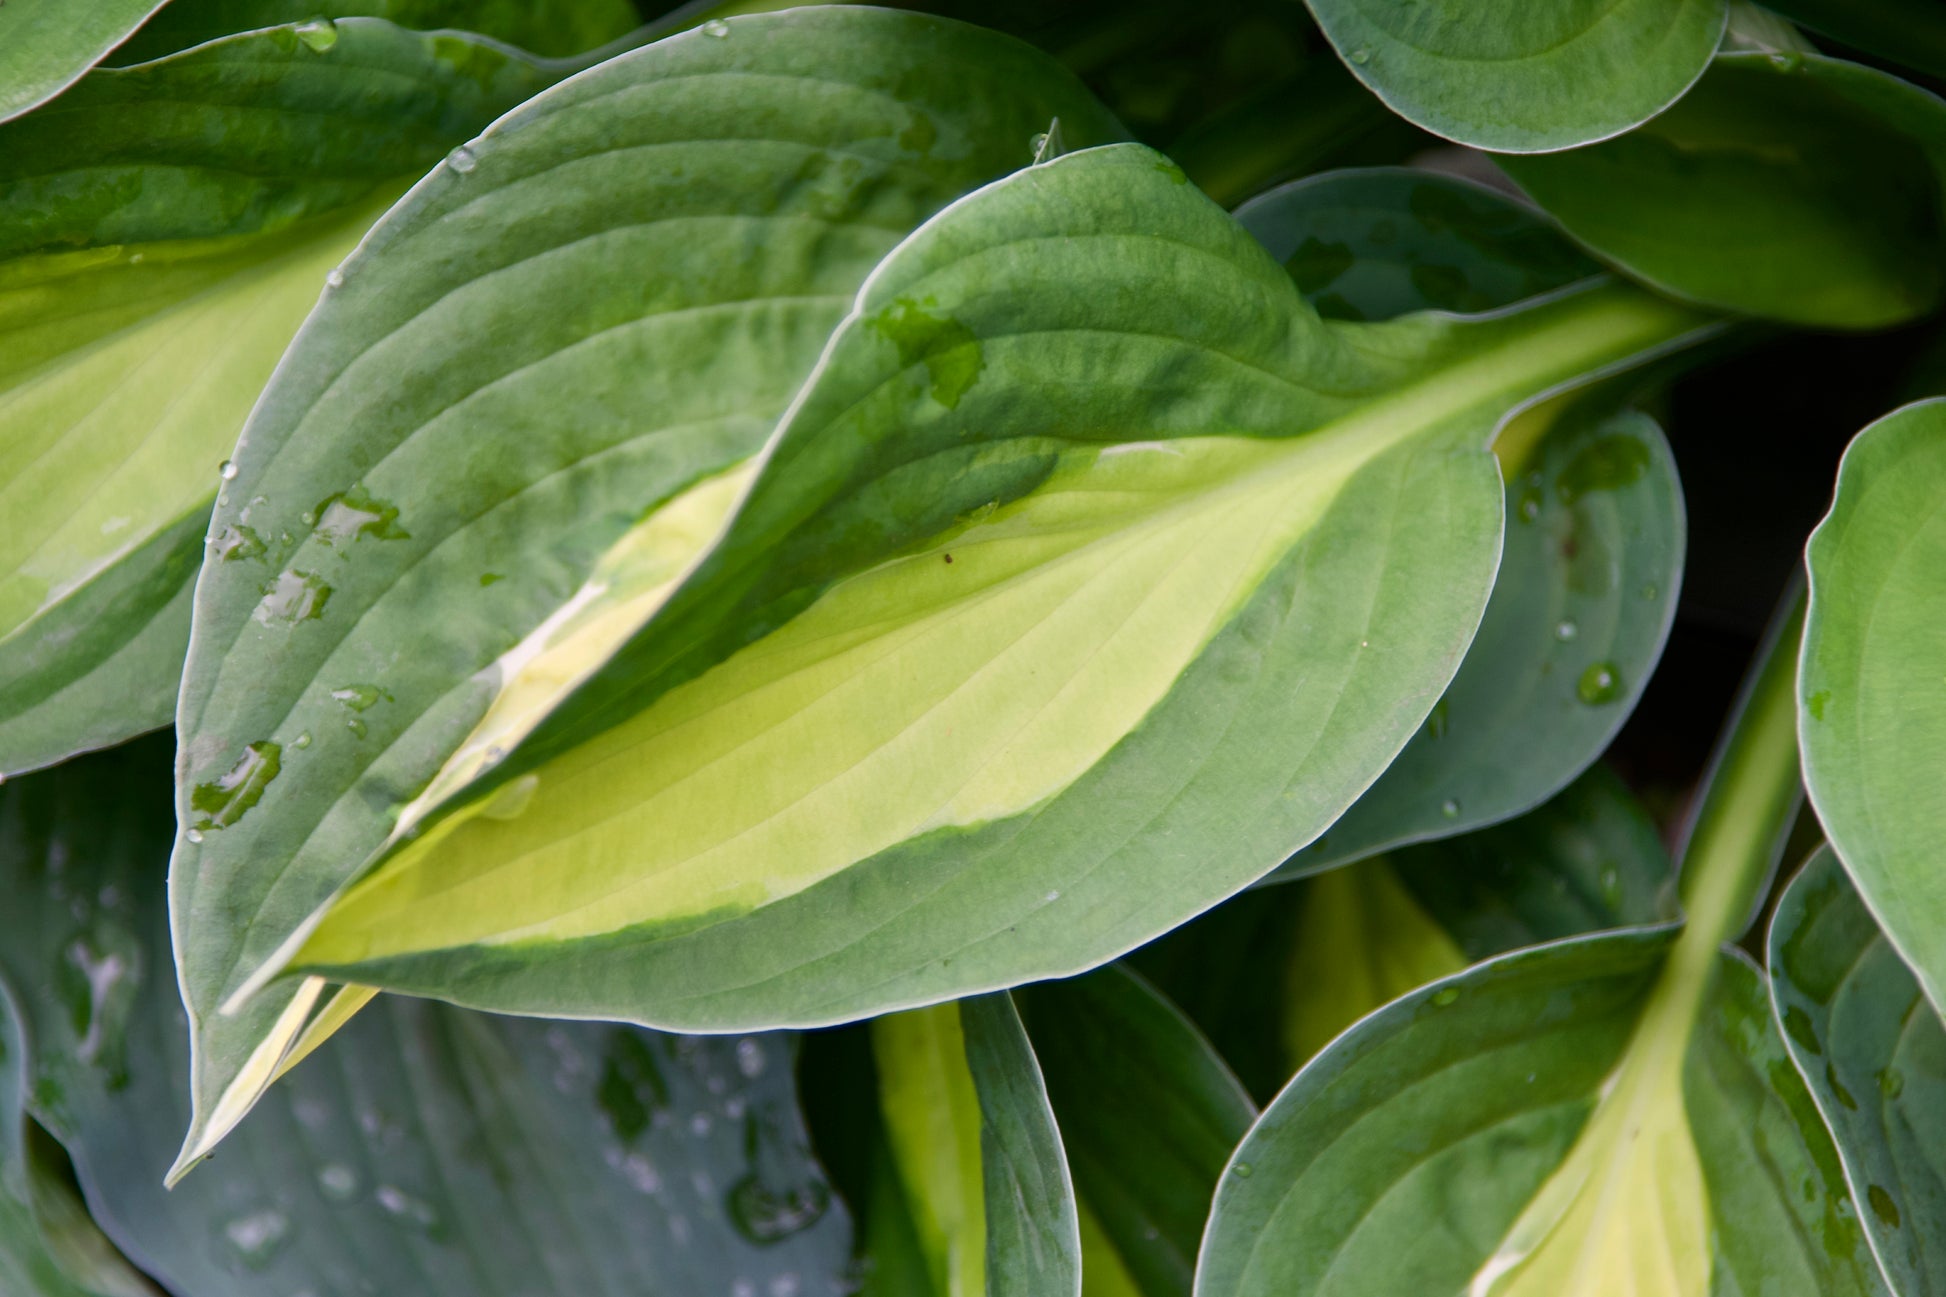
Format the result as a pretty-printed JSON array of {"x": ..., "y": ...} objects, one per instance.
[
  {"x": 976, "y": 1151},
  {"x": 1602, "y": 1115},
  {"x": 1520, "y": 77},
  {"x": 156, "y": 265},
  {"x": 1276, "y": 974},
  {"x": 1080, "y": 493},
  {"x": 1872, "y": 1050},
  {"x": 1872, "y": 698},
  {"x": 549, "y": 28},
  {"x": 47, "y": 45},
  {"x": 423, "y": 1150},
  {"x": 1375, "y": 242},
  {"x": 1792, "y": 186},
  {"x": 1148, "y": 1115},
  {"x": 484, "y": 407}
]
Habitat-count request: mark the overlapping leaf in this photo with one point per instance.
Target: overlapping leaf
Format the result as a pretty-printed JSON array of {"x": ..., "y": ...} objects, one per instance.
[
  {"x": 1525, "y": 78},
  {"x": 975, "y": 1153},
  {"x": 164, "y": 230},
  {"x": 549, "y": 28},
  {"x": 486, "y": 405},
  {"x": 1788, "y": 185},
  {"x": 1148, "y": 1115},
  {"x": 1604, "y": 1114},
  {"x": 1276, "y": 974},
  {"x": 1872, "y": 1050},
  {"x": 47, "y": 45},
  {"x": 424, "y": 1149},
  {"x": 1079, "y": 495},
  {"x": 1873, "y": 694}
]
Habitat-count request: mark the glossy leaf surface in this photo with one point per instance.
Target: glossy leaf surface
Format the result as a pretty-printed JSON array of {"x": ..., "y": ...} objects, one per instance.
[
  {"x": 1148, "y": 1115},
  {"x": 1016, "y": 421},
  {"x": 484, "y": 379},
  {"x": 47, "y": 45},
  {"x": 549, "y": 28},
  {"x": 976, "y": 1152},
  {"x": 1873, "y": 1052},
  {"x": 423, "y": 1149},
  {"x": 1872, "y": 694},
  {"x": 1791, "y": 186},
  {"x": 156, "y": 264},
  {"x": 1525, "y": 78}
]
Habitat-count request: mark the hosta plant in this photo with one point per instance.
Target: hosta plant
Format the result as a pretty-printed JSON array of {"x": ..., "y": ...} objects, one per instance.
[{"x": 943, "y": 650}]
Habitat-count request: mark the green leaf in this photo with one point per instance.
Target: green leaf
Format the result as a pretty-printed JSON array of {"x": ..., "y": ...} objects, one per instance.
[
  {"x": 1872, "y": 1050},
  {"x": 1525, "y": 78},
  {"x": 47, "y": 45},
  {"x": 34, "y": 1216},
  {"x": 1872, "y": 698},
  {"x": 1792, "y": 186},
  {"x": 1148, "y": 1114},
  {"x": 1277, "y": 973},
  {"x": 484, "y": 407},
  {"x": 157, "y": 262},
  {"x": 1375, "y": 242},
  {"x": 1603, "y": 1114},
  {"x": 550, "y": 28},
  {"x": 1080, "y": 492},
  {"x": 976, "y": 1151},
  {"x": 1581, "y": 609},
  {"x": 422, "y": 1150}
]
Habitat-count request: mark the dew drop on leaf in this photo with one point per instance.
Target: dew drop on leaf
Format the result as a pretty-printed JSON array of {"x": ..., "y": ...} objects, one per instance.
[
  {"x": 462, "y": 160},
  {"x": 227, "y": 470},
  {"x": 1891, "y": 1083},
  {"x": 1450, "y": 808},
  {"x": 1566, "y": 631},
  {"x": 1444, "y": 996},
  {"x": 336, "y": 279},
  {"x": 318, "y": 35},
  {"x": 1361, "y": 56},
  {"x": 258, "y": 1236},
  {"x": 1600, "y": 683},
  {"x": 717, "y": 28},
  {"x": 765, "y": 1215},
  {"x": 337, "y": 1182},
  {"x": 226, "y": 799},
  {"x": 1241, "y": 1170}
]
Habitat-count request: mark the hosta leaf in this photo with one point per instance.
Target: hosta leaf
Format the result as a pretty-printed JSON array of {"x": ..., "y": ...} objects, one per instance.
[
  {"x": 157, "y": 260},
  {"x": 1375, "y": 242},
  {"x": 1910, "y": 32},
  {"x": 975, "y": 1151},
  {"x": 36, "y": 1216},
  {"x": 485, "y": 406},
  {"x": 422, "y": 1150},
  {"x": 1591, "y": 568},
  {"x": 1580, "y": 611},
  {"x": 1605, "y": 1114},
  {"x": 996, "y": 671},
  {"x": 1148, "y": 1115},
  {"x": 1873, "y": 692},
  {"x": 1788, "y": 185},
  {"x": 1525, "y": 78},
  {"x": 550, "y": 28},
  {"x": 1276, "y": 974},
  {"x": 1870, "y": 1046},
  {"x": 47, "y": 45}
]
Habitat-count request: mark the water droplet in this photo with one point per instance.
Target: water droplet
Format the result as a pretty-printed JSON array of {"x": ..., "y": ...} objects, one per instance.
[
  {"x": 359, "y": 697},
  {"x": 765, "y": 1215},
  {"x": 1241, "y": 1170},
  {"x": 344, "y": 517},
  {"x": 1052, "y": 897},
  {"x": 784, "y": 1285},
  {"x": 291, "y": 598},
  {"x": 951, "y": 353},
  {"x": 750, "y": 1057},
  {"x": 1649, "y": 591},
  {"x": 1445, "y": 996},
  {"x": 716, "y": 27},
  {"x": 318, "y": 35},
  {"x": 1450, "y": 808},
  {"x": 404, "y": 1206},
  {"x": 1891, "y": 1083},
  {"x": 699, "y": 1125},
  {"x": 227, "y": 470},
  {"x": 462, "y": 160},
  {"x": 1799, "y": 1027},
  {"x": 103, "y": 994},
  {"x": 336, "y": 278},
  {"x": 1786, "y": 61},
  {"x": 357, "y": 727},
  {"x": 1600, "y": 683},
  {"x": 1609, "y": 879},
  {"x": 1566, "y": 631},
  {"x": 1035, "y": 143},
  {"x": 227, "y": 798},
  {"x": 195, "y": 837},
  {"x": 338, "y": 1183},
  {"x": 1361, "y": 56},
  {"x": 1530, "y": 505},
  {"x": 236, "y": 542},
  {"x": 1882, "y": 1205},
  {"x": 302, "y": 741},
  {"x": 258, "y": 1236}
]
